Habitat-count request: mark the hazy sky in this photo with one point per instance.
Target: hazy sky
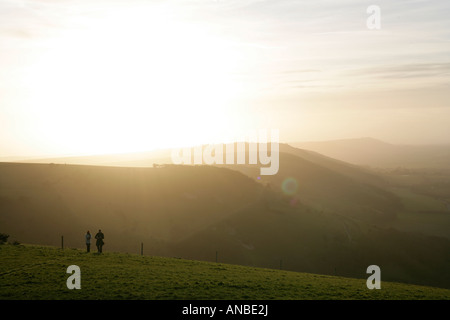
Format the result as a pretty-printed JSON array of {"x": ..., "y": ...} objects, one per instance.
[{"x": 82, "y": 77}]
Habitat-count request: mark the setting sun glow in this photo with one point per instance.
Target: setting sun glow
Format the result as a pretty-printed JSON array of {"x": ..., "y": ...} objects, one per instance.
[
  {"x": 132, "y": 80},
  {"x": 100, "y": 77}
]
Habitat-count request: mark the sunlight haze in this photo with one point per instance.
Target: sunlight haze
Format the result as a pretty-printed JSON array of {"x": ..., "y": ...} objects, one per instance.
[{"x": 99, "y": 77}]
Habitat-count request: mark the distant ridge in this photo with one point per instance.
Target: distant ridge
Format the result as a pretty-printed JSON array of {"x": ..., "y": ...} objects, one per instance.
[{"x": 376, "y": 153}]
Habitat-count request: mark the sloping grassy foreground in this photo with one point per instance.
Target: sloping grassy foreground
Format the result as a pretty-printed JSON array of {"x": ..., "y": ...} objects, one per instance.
[{"x": 37, "y": 272}]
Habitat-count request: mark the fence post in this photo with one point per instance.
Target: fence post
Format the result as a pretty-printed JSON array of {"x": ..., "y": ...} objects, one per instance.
[
  {"x": 62, "y": 242},
  {"x": 216, "y": 256},
  {"x": 142, "y": 248}
]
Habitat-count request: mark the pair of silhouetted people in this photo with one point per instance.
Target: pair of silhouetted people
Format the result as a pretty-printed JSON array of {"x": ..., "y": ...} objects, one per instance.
[{"x": 99, "y": 243}]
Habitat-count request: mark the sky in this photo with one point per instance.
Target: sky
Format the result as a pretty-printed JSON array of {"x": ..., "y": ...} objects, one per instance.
[{"x": 99, "y": 76}]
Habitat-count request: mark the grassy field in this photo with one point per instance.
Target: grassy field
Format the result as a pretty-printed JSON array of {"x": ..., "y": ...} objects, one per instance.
[{"x": 37, "y": 272}]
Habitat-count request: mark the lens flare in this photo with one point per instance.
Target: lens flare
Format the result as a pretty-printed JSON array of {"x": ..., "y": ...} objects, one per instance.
[{"x": 289, "y": 186}]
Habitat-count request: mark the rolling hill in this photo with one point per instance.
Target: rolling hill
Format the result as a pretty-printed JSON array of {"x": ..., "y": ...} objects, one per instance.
[
  {"x": 40, "y": 202},
  {"x": 334, "y": 223},
  {"x": 375, "y": 153}
]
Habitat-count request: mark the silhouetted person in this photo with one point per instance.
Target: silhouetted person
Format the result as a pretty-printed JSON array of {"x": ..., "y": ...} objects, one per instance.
[
  {"x": 99, "y": 236},
  {"x": 88, "y": 241}
]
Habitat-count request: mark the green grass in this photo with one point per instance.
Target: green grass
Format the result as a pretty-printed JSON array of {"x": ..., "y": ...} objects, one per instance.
[
  {"x": 38, "y": 272},
  {"x": 422, "y": 214},
  {"x": 417, "y": 202}
]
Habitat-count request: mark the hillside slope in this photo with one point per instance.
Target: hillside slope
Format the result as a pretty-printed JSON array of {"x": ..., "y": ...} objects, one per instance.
[
  {"x": 39, "y": 273},
  {"x": 331, "y": 223},
  {"x": 39, "y": 203}
]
